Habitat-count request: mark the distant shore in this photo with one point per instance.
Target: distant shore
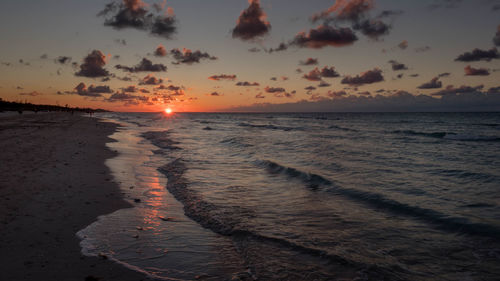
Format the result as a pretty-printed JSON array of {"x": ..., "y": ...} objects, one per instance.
[{"x": 54, "y": 183}]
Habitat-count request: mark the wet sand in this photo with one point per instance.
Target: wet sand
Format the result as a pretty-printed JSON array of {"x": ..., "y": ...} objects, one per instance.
[{"x": 53, "y": 183}]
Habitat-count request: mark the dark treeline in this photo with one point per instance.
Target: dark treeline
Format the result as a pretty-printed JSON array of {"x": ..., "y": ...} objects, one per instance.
[{"x": 25, "y": 106}]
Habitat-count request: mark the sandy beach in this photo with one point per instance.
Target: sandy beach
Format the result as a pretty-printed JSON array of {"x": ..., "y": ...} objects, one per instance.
[{"x": 54, "y": 182}]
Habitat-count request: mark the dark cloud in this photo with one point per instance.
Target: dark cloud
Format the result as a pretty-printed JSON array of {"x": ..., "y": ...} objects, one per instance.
[
  {"x": 298, "y": 70},
  {"x": 150, "y": 80},
  {"x": 325, "y": 35},
  {"x": 144, "y": 66},
  {"x": 368, "y": 77},
  {"x": 135, "y": 14},
  {"x": 44, "y": 56},
  {"x": 496, "y": 39},
  {"x": 121, "y": 42},
  {"x": 273, "y": 79},
  {"x": 422, "y": 49},
  {"x": 329, "y": 72},
  {"x": 445, "y": 74},
  {"x": 63, "y": 59},
  {"x": 284, "y": 78},
  {"x": 310, "y": 88},
  {"x": 309, "y": 61},
  {"x": 493, "y": 90},
  {"x": 92, "y": 91},
  {"x": 313, "y": 75},
  {"x": 215, "y": 94},
  {"x": 356, "y": 12},
  {"x": 433, "y": 84},
  {"x": 281, "y": 47},
  {"x": 323, "y": 84},
  {"x": 32, "y": 94},
  {"x": 365, "y": 93},
  {"x": 93, "y": 65},
  {"x": 400, "y": 101},
  {"x": 414, "y": 75},
  {"x": 350, "y": 10},
  {"x": 252, "y": 23},
  {"x": 260, "y": 96},
  {"x": 470, "y": 71},
  {"x": 160, "y": 51},
  {"x": 219, "y": 77},
  {"x": 130, "y": 89},
  {"x": 189, "y": 57},
  {"x": 451, "y": 90},
  {"x": 272, "y": 90},
  {"x": 403, "y": 45},
  {"x": 336, "y": 94},
  {"x": 397, "y": 66},
  {"x": 478, "y": 55},
  {"x": 373, "y": 28},
  {"x": 254, "y": 50},
  {"x": 247, "y": 84}
]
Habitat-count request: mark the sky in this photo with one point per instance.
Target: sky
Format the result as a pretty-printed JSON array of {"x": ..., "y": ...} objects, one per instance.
[{"x": 267, "y": 55}]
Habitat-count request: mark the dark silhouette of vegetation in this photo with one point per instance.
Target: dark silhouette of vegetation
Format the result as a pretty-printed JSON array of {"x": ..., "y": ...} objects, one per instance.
[{"x": 25, "y": 106}]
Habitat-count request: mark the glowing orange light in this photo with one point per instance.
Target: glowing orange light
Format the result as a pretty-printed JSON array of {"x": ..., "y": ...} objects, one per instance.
[{"x": 168, "y": 110}]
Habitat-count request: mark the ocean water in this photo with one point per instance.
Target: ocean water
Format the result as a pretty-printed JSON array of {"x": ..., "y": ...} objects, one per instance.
[{"x": 323, "y": 196}]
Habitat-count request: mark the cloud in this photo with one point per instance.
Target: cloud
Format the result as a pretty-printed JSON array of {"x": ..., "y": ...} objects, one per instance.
[
  {"x": 367, "y": 77},
  {"x": 219, "y": 77},
  {"x": 247, "y": 84},
  {"x": 323, "y": 36},
  {"x": 470, "y": 71},
  {"x": 496, "y": 39},
  {"x": 309, "y": 61},
  {"x": 323, "y": 84},
  {"x": 281, "y": 47},
  {"x": 93, "y": 65},
  {"x": 451, "y": 90},
  {"x": 310, "y": 88},
  {"x": 444, "y": 74},
  {"x": 397, "y": 66},
  {"x": 268, "y": 89},
  {"x": 254, "y": 50},
  {"x": 400, "y": 101},
  {"x": 273, "y": 79},
  {"x": 144, "y": 66},
  {"x": 32, "y": 94},
  {"x": 160, "y": 51},
  {"x": 259, "y": 96},
  {"x": 403, "y": 45},
  {"x": 356, "y": 12},
  {"x": 346, "y": 10},
  {"x": 215, "y": 94},
  {"x": 92, "y": 91},
  {"x": 373, "y": 28},
  {"x": 252, "y": 23},
  {"x": 446, "y": 4},
  {"x": 433, "y": 84},
  {"x": 329, "y": 72},
  {"x": 478, "y": 55},
  {"x": 135, "y": 14},
  {"x": 63, "y": 59},
  {"x": 130, "y": 89},
  {"x": 422, "y": 49},
  {"x": 150, "y": 80},
  {"x": 189, "y": 57},
  {"x": 313, "y": 75},
  {"x": 121, "y": 42}
]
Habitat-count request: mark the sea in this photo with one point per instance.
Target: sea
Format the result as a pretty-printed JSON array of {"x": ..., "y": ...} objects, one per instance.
[{"x": 304, "y": 196}]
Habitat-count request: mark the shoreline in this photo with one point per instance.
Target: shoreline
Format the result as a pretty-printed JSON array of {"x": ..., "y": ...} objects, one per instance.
[{"x": 55, "y": 183}]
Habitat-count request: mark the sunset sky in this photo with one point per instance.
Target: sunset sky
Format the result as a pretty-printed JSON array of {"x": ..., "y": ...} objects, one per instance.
[{"x": 133, "y": 55}]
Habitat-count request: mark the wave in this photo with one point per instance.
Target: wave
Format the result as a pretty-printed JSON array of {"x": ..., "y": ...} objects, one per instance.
[
  {"x": 268, "y": 126},
  {"x": 448, "y": 136},
  {"x": 236, "y": 141},
  {"x": 161, "y": 139},
  {"x": 342, "y": 128},
  {"x": 378, "y": 201},
  {"x": 312, "y": 180},
  {"x": 224, "y": 220}
]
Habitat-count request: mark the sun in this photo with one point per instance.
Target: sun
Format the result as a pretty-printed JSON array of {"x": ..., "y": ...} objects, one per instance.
[{"x": 168, "y": 110}]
